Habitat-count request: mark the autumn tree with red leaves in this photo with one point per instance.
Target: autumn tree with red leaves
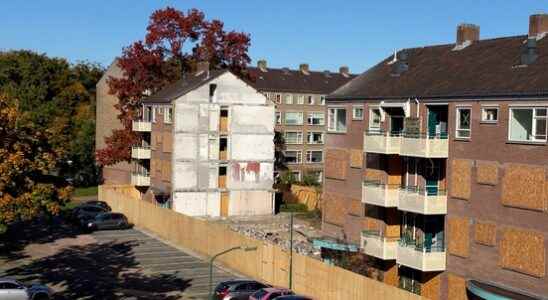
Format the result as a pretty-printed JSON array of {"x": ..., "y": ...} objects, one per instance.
[{"x": 174, "y": 43}]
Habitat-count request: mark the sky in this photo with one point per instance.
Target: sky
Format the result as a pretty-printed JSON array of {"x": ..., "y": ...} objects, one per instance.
[{"x": 324, "y": 34}]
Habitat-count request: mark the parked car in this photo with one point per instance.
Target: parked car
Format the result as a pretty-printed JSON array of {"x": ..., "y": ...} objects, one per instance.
[
  {"x": 107, "y": 220},
  {"x": 102, "y": 204},
  {"x": 270, "y": 293},
  {"x": 11, "y": 289},
  {"x": 86, "y": 212},
  {"x": 292, "y": 297},
  {"x": 239, "y": 289}
]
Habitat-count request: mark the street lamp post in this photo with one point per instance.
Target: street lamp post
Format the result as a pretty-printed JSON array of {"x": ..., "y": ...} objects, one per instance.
[{"x": 244, "y": 248}]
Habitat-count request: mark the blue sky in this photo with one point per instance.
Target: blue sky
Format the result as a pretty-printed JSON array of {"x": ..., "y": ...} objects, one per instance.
[{"x": 325, "y": 34}]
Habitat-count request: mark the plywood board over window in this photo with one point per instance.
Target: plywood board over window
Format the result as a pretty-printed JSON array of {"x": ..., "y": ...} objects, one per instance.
[
  {"x": 523, "y": 251},
  {"x": 523, "y": 186},
  {"x": 456, "y": 287},
  {"x": 356, "y": 158},
  {"x": 458, "y": 243},
  {"x": 336, "y": 162},
  {"x": 461, "y": 177},
  {"x": 487, "y": 172},
  {"x": 485, "y": 233}
]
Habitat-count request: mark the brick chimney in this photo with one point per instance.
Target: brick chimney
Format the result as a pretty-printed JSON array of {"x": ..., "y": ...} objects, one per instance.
[
  {"x": 261, "y": 64},
  {"x": 202, "y": 66},
  {"x": 345, "y": 71},
  {"x": 466, "y": 35},
  {"x": 304, "y": 69},
  {"x": 538, "y": 26}
]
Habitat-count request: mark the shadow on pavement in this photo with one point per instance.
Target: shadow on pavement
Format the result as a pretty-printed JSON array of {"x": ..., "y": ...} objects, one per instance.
[{"x": 100, "y": 271}]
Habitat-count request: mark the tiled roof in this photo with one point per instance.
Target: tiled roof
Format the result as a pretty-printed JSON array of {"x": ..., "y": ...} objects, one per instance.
[
  {"x": 281, "y": 80},
  {"x": 486, "y": 68}
]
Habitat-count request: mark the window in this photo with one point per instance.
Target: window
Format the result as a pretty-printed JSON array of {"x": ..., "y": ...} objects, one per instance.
[
  {"x": 464, "y": 116},
  {"x": 293, "y": 157},
  {"x": 278, "y": 117},
  {"x": 147, "y": 114},
  {"x": 295, "y": 137},
  {"x": 10, "y": 286},
  {"x": 278, "y": 98},
  {"x": 527, "y": 124},
  {"x": 322, "y": 100},
  {"x": 375, "y": 119},
  {"x": 357, "y": 113},
  {"x": 318, "y": 175},
  {"x": 288, "y": 99},
  {"x": 314, "y": 156},
  {"x": 489, "y": 114},
  {"x": 316, "y": 118},
  {"x": 293, "y": 118},
  {"x": 336, "y": 119},
  {"x": 300, "y": 99},
  {"x": 154, "y": 114},
  {"x": 296, "y": 175},
  {"x": 314, "y": 137},
  {"x": 168, "y": 115},
  {"x": 310, "y": 100}
]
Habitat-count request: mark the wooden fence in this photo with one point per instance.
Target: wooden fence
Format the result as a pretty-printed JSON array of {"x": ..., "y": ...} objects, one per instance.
[{"x": 269, "y": 263}]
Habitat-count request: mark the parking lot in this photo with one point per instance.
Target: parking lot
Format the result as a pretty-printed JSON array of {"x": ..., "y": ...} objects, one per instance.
[{"x": 116, "y": 264}]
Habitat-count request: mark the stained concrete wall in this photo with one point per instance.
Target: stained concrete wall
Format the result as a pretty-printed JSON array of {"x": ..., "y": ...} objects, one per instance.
[{"x": 250, "y": 149}]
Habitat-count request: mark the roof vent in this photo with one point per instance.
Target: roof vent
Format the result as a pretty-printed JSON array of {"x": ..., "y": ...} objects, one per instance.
[
  {"x": 304, "y": 69},
  {"x": 399, "y": 63},
  {"x": 538, "y": 26},
  {"x": 261, "y": 64},
  {"x": 529, "y": 51},
  {"x": 344, "y": 71},
  {"x": 466, "y": 35}
]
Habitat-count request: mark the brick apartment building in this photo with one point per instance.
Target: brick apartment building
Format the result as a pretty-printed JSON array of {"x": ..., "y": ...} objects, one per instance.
[
  {"x": 299, "y": 96},
  {"x": 443, "y": 179},
  {"x": 207, "y": 146}
]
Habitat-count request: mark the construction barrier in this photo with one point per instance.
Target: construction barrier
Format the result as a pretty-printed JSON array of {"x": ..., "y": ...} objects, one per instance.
[{"x": 269, "y": 263}]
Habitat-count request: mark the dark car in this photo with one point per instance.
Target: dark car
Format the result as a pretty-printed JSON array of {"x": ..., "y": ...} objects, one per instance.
[
  {"x": 102, "y": 204},
  {"x": 108, "y": 220},
  {"x": 292, "y": 297},
  {"x": 239, "y": 289},
  {"x": 86, "y": 212}
]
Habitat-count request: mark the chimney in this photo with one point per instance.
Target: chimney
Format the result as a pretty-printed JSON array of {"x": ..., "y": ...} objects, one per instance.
[
  {"x": 261, "y": 64},
  {"x": 345, "y": 71},
  {"x": 466, "y": 35},
  {"x": 304, "y": 69},
  {"x": 538, "y": 26},
  {"x": 202, "y": 66}
]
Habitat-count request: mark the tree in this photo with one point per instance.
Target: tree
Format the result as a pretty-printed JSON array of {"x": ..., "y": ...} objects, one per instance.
[
  {"x": 174, "y": 43},
  {"x": 27, "y": 158}
]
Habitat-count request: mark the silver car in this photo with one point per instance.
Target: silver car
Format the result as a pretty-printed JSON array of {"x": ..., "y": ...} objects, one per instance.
[{"x": 11, "y": 289}]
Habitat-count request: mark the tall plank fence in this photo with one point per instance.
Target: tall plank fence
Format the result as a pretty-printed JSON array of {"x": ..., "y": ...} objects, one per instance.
[{"x": 269, "y": 263}]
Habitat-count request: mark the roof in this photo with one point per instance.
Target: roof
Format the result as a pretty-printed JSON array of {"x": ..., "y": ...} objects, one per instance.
[
  {"x": 182, "y": 86},
  {"x": 286, "y": 80},
  {"x": 486, "y": 68}
]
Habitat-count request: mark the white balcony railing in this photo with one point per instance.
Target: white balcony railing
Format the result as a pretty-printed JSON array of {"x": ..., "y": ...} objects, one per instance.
[
  {"x": 380, "y": 194},
  {"x": 378, "y": 246},
  {"x": 140, "y": 152},
  {"x": 425, "y": 146},
  {"x": 420, "y": 258},
  {"x": 381, "y": 142},
  {"x": 140, "y": 179},
  {"x": 423, "y": 201},
  {"x": 142, "y": 126}
]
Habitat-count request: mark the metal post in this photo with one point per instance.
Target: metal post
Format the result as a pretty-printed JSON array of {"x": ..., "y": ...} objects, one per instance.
[
  {"x": 210, "y": 295},
  {"x": 291, "y": 251}
]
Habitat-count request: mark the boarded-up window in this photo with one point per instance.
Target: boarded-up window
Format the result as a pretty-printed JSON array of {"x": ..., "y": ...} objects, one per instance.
[
  {"x": 334, "y": 209},
  {"x": 336, "y": 163},
  {"x": 461, "y": 170},
  {"x": 523, "y": 186},
  {"x": 485, "y": 233},
  {"x": 523, "y": 251},
  {"x": 356, "y": 158},
  {"x": 167, "y": 145},
  {"x": 166, "y": 170},
  {"x": 456, "y": 287},
  {"x": 458, "y": 243},
  {"x": 487, "y": 172}
]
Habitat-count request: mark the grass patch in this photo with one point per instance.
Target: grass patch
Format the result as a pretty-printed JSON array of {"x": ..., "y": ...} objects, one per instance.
[{"x": 84, "y": 192}]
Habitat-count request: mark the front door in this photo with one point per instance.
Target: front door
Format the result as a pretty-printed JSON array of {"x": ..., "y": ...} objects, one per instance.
[{"x": 224, "y": 204}]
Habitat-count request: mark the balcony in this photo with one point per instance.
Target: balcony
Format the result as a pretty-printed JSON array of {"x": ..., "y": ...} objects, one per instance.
[
  {"x": 384, "y": 195},
  {"x": 425, "y": 146},
  {"x": 142, "y": 126},
  {"x": 140, "y": 179},
  {"x": 378, "y": 246},
  {"x": 382, "y": 142},
  {"x": 426, "y": 259},
  {"x": 140, "y": 152},
  {"x": 423, "y": 201}
]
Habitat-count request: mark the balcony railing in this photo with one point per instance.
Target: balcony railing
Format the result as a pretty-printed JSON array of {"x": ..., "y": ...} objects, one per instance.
[
  {"x": 382, "y": 142},
  {"x": 425, "y": 145},
  {"x": 140, "y": 179},
  {"x": 140, "y": 152},
  {"x": 142, "y": 126},
  {"x": 425, "y": 201},
  {"x": 421, "y": 255},
  {"x": 375, "y": 193},
  {"x": 378, "y": 246}
]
